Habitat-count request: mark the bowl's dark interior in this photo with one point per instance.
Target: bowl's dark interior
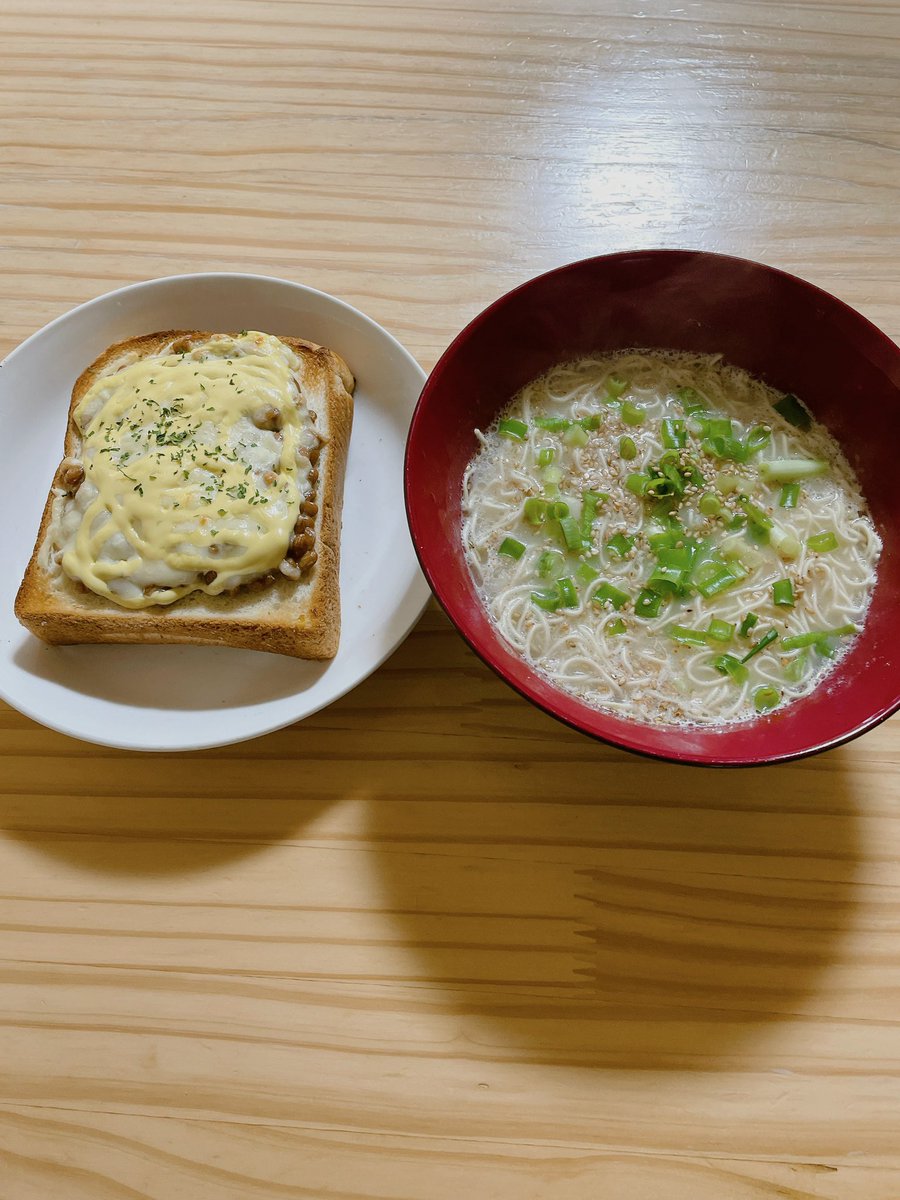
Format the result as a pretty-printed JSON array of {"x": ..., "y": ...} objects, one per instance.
[{"x": 784, "y": 331}]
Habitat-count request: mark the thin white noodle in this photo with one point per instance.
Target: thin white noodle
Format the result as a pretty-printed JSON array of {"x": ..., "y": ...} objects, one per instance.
[{"x": 642, "y": 673}]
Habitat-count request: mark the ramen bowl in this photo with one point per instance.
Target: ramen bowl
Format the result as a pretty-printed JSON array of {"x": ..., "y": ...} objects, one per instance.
[{"x": 786, "y": 332}]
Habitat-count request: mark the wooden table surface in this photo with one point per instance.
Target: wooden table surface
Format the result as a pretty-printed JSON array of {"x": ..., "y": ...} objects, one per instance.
[{"x": 429, "y": 944}]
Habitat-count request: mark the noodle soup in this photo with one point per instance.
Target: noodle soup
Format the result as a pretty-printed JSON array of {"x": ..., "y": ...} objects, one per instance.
[{"x": 666, "y": 537}]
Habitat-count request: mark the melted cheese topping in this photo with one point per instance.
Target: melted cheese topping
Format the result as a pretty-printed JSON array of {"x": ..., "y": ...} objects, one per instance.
[{"x": 180, "y": 481}]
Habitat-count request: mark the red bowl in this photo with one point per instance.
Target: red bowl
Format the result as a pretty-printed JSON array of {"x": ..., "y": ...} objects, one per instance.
[{"x": 783, "y": 330}]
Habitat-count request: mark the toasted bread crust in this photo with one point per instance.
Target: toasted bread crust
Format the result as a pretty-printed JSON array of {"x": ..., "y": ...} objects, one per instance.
[{"x": 301, "y": 619}]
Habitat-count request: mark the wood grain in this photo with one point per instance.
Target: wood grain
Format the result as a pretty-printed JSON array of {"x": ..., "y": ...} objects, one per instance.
[{"x": 429, "y": 943}]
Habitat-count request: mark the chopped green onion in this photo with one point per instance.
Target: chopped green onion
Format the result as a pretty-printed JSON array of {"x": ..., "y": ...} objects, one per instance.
[
  {"x": 790, "y": 494},
  {"x": 691, "y": 401},
  {"x": 748, "y": 622},
  {"x": 621, "y": 544},
  {"x": 659, "y": 486},
  {"x": 784, "y": 544},
  {"x": 668, "y": 581},
  {"x": 674, "y": 436},
  {"x": 688, "y": 637},
  {"x": 718, "y": 427},
  {"x": 705, "y": 555},
  {"x": 710, "y": 505},
  {"x": 800, "y": 640},
  {"x": 765, "y": 698},
  {"x": 551, "y": 474},
  {"x": 734, "y": 574},
  {"x": 755, "y": 515},
  {"x": 725, "y": 447},
  {"x": 631, "y": 414},
  {"x": 607, "y": 594},
  {"x": 615, "y": 385},
  {"x": 511, "y": 547},
  {"x": 783, "y": 593},
  {"x": 589, "y": 424},
  {"x": 758, "y": 437},
  {"x": 726, "y": 483},
  {"x": 741, "y": 553},
  {"x": 553, "y": 424},
  {"x": 627, "y": 448},
  {"x": 797, "y": 667},
  {"x": 715, "y": 576},
  {"x": 575, "y": 436},
  {"x": 615, "y": 625},
  {"x": 673, "y": 476},
  {"x": 756, "y": 534},
  {"x": 663, "y": 541},
  {"x": 517, "y": 430},
  {"x": 683, "y": 472},
  {"x": 639, "y": 482},
  {"x": 662, "y": 514},
  {"x": 648, "y": 604},
  {"x": 734, "y": 547},
  {"x": 766, "y": 640},
  {"x": 827, "y": 646},
  {"x": 547, "y": 600},
  {"x": 816, "y": 637},
  {"x": 821, "y": 542},
  {"x": 789, "y": 470},
  {"x": 793, "y": 411},
  {"x": 729, "y": 665},
  {"x": 550, "y": 564},
  {"x": 586, "y": 573},
  {"x": 546, "y": 455},
  {"x": 681, "y": 557},
  {"x": 557, "y": 509},
  {"x": 720, "y": 631},
  {"x": 568, "y": 597},
  {"x": 590, "y": 501},
  {"x": 571, "y": 533},
  {"x": 535, "y": 510},
  {"x": 693, "y": 473}
]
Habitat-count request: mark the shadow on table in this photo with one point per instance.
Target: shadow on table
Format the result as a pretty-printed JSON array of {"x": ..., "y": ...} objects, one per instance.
[
  {"x": 617, "y": 912},
  {"x": 206, "y": 812},
  {"x": 570, "y": 903}
]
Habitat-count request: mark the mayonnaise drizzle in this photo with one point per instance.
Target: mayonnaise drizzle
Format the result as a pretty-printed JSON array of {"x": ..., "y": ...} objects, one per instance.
[{"x": 179, "y": 480}]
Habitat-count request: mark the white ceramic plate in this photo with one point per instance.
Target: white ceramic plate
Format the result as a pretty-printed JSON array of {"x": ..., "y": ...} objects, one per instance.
[{"x": 189, "y": 697}]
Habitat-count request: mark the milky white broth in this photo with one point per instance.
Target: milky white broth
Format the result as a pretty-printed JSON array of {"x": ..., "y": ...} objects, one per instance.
[{"x": 666, "y": 666}]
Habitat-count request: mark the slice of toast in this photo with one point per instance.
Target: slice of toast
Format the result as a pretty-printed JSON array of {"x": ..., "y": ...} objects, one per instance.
[{"x": 286, "y": 608}]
